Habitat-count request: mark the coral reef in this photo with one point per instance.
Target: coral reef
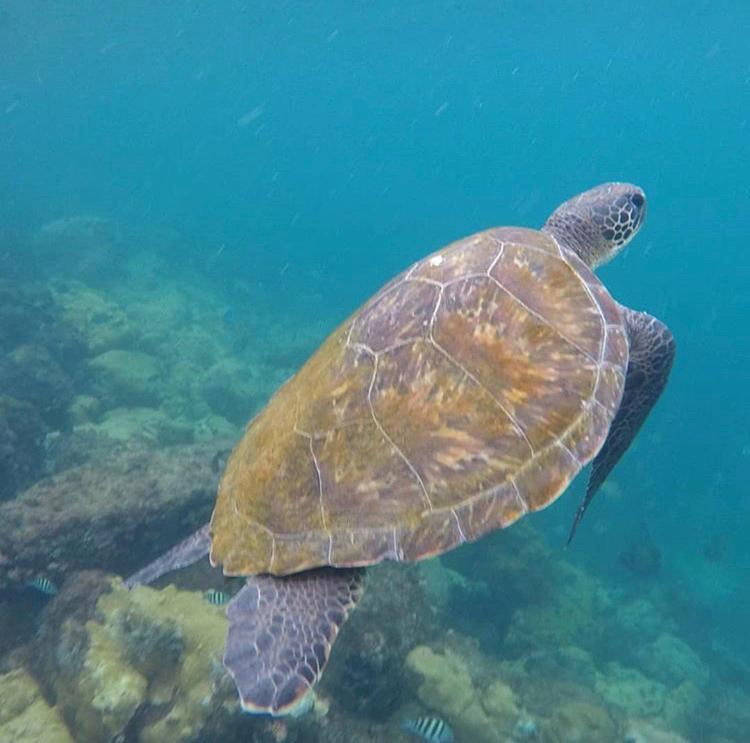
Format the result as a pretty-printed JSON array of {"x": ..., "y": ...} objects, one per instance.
[
  {"x": 630, "y": 690},
  {"x": 100, "y": 322},
  {"x": 578, "y": 721},
  {"x": 142, "y": 424},
  {"x": 80, "y": 245},
  {"x": 25, "y": 717},
  {"x": 143, "y": 661},
  {"x": 113, "y": 514},
  {"x": 129, "y": 376},
  {"x": 642, "y": 731},
  {"x": 146, "y": 664},
  {"x": 233, "y": 391},
  {"x": 622, "y": 654},
  {"x": 21, "y": 445},
  {"x": 29, "y": 373},
  {"x": 366, "y": 673},
  {"x": 485, "y": 714},
  {"x": 672, "y": 661},
  {"x": 39, "y": 356}
]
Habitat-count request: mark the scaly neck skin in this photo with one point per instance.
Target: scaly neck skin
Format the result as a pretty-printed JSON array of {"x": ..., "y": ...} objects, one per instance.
[{"x": 580, "y": 237}]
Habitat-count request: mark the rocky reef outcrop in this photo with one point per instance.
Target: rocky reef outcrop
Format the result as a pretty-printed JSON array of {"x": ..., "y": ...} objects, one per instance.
[
  {"x": 39, "y": 360},
  {"x": 112, "y": 514}
]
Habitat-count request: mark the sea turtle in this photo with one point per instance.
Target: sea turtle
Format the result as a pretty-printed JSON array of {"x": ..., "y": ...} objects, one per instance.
[{"x": 467, "y": 392}]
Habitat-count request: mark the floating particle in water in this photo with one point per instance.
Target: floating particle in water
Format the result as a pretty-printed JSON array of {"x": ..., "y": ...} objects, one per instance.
[{"x": 250, "y": 116}]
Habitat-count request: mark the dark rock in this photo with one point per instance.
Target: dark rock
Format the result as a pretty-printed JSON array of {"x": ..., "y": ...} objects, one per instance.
[
  {"x": 31, "y": 374},
  {"x": 30, "y": 315},
  {"x": 62, "y": 451},
  {"x": 21, "y": 446},
  {"x": 366, "y": 672},
  {"x": 116, "y": 514},
  {"x": 642, "y": 556}
]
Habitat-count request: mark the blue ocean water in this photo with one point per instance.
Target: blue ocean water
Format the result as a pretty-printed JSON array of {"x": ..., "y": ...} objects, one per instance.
[{"x": 303, "y": 153}]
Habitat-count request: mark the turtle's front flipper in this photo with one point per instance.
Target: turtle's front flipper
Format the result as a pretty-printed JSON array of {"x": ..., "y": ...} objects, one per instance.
[
  {"x": 185, "y": 553},
  {"x": 652, "y": 350},
  {"x": 281, "y": 631}
]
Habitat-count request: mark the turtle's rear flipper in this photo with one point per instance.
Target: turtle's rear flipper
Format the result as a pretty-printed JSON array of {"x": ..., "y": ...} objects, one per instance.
[
  {"x": 281, "y": 631},
  {"x": 652, "y": 351},
  {"x": 185, "y": 553}
]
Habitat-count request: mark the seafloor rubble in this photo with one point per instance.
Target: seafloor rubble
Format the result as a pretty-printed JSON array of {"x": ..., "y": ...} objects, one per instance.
[{"x": 119, "y": 397}]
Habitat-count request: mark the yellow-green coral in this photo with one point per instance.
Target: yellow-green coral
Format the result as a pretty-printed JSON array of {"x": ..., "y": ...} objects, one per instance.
[
  {"x": 147, "y": 647},
  {"x": 24, "y": 715},
  {"x": 684, "y": 704},
  {"x": 103, "y": 324},
  {"x": 484, "y": 715},
  {"x": 579, "y": 721},
  {"x": 642, "y": 731},
  {"x": 628, "y": 689},
  {"x": 568, "y": 617}
]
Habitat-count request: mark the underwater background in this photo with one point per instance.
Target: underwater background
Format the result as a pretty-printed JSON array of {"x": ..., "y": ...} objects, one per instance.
[{"x": 193, "y": 195}]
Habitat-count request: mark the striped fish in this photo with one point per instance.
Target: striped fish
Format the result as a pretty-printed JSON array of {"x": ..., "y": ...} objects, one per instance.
[
  {"x": 216, "y": 598},
  {"x": 43, "y": 585},
  {"x": 431, "y": 729}
]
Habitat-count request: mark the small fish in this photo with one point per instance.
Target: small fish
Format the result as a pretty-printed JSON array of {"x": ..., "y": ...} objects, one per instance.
[
  {"x": 431, "y": 729},
  {"x": 525, "y": 729},
  {"x": 216, "y": 598},
  {"x": 43, "y": 585}
]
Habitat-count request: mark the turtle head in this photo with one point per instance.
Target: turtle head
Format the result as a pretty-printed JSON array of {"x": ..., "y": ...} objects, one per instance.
[{"x": 599, "y": 223}]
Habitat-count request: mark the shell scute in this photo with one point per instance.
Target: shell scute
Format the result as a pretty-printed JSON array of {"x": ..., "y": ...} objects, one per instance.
[
  {"x": 362, "y": 472},
  {"x": 470, "y": 390},
  {"x": 399, "y": 315},
  {"x": 537, "y": 377},
  {"x": 456, "y": 439},
  {"x": 470, "y": 256},
  {"x": 544, "y": 284}
]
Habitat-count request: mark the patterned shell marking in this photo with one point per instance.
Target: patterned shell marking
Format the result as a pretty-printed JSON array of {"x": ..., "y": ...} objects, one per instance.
[{"x": 467, "y": 392}]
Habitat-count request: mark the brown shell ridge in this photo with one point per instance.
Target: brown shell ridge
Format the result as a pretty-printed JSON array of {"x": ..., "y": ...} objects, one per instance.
[
  {"x": 542, "y": 319},
  {"x": 481, "y": 386},
  {"x": 512, "y": 480},
  {"x": 572, "y": 259},
  {"x": 457, "y": 364},
  {"x": 582, "y": 270},
  {"x": 390, "y": 441},
  {"x": 323, "y": 518}
]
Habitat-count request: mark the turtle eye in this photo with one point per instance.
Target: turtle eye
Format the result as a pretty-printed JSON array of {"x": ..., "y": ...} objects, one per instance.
[{"x": 637, "y": 200}]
